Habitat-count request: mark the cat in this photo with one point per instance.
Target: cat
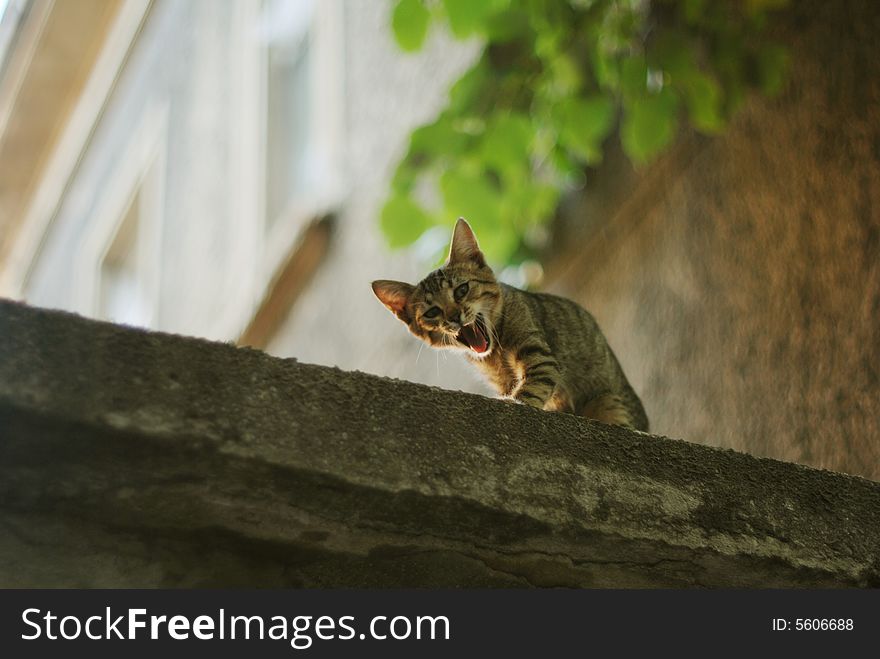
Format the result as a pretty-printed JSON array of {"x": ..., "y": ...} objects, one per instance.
[{"x": 538, "y": 349}]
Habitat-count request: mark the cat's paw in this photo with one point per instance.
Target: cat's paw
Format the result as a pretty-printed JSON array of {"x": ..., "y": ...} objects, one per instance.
[{"x": 528, "y": 401}]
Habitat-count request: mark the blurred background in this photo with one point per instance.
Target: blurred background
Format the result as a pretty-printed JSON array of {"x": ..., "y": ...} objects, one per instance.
[{"x": 703, "y": 177}]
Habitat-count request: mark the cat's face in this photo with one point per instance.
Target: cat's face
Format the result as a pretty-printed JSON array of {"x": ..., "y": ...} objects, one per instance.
[{"x": 454, "y": 307}]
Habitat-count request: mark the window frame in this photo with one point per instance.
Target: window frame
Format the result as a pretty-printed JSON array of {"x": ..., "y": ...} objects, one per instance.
[{"x": 139, "y": 175}]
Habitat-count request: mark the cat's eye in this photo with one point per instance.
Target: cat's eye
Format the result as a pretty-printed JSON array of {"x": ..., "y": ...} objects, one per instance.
[
  {"x": 433, "y": 312},
  {"x": 461, "y": 291}
]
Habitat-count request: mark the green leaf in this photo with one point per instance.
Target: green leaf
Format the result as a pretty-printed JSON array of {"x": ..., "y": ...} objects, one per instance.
[
  {"x": 605, "y": 68},
  {"x": 693, "y": 10},
  {"x": 583, "y": 124},
  {"x": 467, "y": 88},
  {"x": 470, "y": 195},
  {"x": 404, "y": 179},
  {"x": 544, "y": 96},
  {"x": 674, "y": 54},
  {"x": 437, "y": 139},
  {"x": 498, "y": 246},
  {"x": 507, "y": 25},
  {"x": 649, "y": 125},
  {"x": 547, "y": 43},
  {"x": 403, "y": 221},
  {"x": 564, "y": 163},
  {"x": 633, "y": 76},
  {"x": 702, "y": 95},
  {"x": 565, "y": 74},
  {"x": 772, "y": 66},
  {"x": 469, "y": 16},
  {"x": 410, "y": 23},
  {"x": 531, "y": 202},
  {"x": 507, "y": 144}
]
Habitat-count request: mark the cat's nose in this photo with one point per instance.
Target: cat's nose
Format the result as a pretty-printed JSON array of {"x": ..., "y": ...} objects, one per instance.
[{"x": 455, "y": 317}]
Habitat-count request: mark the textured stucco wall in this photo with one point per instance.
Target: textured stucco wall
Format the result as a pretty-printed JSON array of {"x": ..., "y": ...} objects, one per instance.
[
  {"x": 130, "y": 458},
  {"x": 739, "y": 278}
]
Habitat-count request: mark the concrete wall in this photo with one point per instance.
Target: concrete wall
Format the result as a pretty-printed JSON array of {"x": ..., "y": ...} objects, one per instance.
[
  {"x": 739, "y": 278},
  {"x": 138, "y": 459}
]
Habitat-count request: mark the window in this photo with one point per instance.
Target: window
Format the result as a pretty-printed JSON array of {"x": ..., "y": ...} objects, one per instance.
[
  {"x": 118, "y": 262},
  {"x": 121, "y": 295},
  {"x": 302, "y": 117},
  {"x": 289, "y": 149}
]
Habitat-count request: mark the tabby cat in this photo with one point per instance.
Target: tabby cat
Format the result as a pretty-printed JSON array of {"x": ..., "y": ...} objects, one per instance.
[{"x": 538, "y": 349}]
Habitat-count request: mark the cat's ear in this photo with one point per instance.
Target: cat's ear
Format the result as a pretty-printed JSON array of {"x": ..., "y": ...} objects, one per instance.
[
  {"x": 395, "y": 295},
  {"x": 464, "y": 247}
]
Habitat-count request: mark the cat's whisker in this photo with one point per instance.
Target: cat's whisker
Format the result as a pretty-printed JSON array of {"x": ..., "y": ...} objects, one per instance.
[
  {"x": 448, "y": 343},
  {"x": 492, "y": 331}
]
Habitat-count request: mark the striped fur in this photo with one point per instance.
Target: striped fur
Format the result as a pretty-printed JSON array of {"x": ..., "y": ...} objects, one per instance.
[{"x": 538, "y": 349}]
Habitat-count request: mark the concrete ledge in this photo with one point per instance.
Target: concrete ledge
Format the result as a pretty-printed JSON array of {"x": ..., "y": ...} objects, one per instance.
[{"x": 130, "y": 458}]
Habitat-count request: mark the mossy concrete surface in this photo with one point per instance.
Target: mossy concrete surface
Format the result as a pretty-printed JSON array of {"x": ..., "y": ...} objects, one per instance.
[{"x": 139, "y": 459}]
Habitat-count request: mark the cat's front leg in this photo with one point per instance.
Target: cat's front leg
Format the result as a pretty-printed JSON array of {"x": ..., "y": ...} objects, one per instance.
[{"x": 541, "y": 381}]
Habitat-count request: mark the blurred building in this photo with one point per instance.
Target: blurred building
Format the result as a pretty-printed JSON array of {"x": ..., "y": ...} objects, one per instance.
[{"x": 215, "y": 168}]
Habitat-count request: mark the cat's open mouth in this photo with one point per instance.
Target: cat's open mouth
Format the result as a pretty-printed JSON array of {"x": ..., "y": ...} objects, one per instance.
[{"x": 475, "y": 336}]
